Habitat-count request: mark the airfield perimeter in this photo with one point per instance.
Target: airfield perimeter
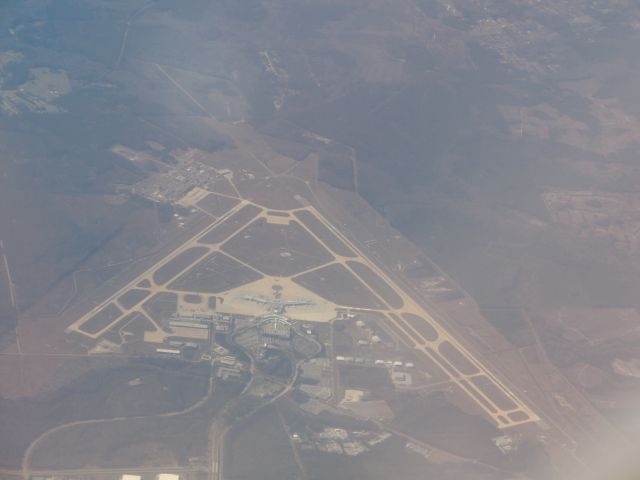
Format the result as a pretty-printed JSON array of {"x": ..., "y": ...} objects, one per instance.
[{"x": 237, "y": 254}]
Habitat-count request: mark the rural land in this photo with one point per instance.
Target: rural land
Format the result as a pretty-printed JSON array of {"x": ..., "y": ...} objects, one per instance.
[{"x": 319, "y": 240}]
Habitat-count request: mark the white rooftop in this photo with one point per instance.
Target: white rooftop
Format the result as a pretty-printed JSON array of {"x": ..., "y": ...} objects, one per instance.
[
  {"x": 168, "y": 476},
  {"x": 128, "y": 476}
]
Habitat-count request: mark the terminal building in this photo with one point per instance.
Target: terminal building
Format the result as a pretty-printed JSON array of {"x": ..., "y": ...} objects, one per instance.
[
  {"x": 276, "y": 326},
  {"x": 224, "y": 324}
]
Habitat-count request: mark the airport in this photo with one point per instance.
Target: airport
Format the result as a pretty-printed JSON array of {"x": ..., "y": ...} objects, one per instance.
[{"x": 235, "y": 271}]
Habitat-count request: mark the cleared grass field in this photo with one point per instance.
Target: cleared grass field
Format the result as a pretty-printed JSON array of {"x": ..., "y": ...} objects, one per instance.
[
  {"x": 279, "y": 250},
  {"x": 377, "y": 284},
  {"x": 217, "y": 205},
  {"x": 174, "y": 266},
  {"x": 230, "y": 225},
  {"x": 215, "y": 273},
  {"x": 132, "y": 297},
  {"x": 102, "y": 319},
  {"x": 338, "y": 285},
  {"x": 421, "y": 326},
  {"x": 324, "y": 234}
]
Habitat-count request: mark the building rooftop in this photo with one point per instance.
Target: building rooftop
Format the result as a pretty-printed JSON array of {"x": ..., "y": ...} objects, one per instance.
[
  {"x": 168, "y": 476},
  {"x": 128, "y": 476}
]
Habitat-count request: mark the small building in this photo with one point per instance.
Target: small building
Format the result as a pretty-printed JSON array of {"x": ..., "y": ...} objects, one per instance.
[
  {"x": 168, "y": 476},
  {"x": 169, "y": 351},
  {"x": 226, "y": 360},
  {"x": 128, "y": 476}
]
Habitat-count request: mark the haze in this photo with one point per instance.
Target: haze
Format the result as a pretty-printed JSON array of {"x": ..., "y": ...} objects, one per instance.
[{"x": 319, "y": 239}]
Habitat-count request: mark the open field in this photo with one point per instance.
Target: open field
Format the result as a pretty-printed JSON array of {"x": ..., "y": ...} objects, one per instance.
[
  {"x": 215, "y": 273},
  {"x": 332, "y": 242},
  {"x": 125, "y": 390},
  {"x": 169, "y": 439},
  {"x": 102, "y": 319},
  {"x": 132, "y": 297},
  {"x": 260, "y": 449},
  {"x": 421, "y": 326},
  {"x": 135, "y": 324},
  {"x": 434, "y": 420},
  {"x": 337, "y": 284},
  {"x": 177, "y": 264},
  {"x": 160, "y": 306},
  {"x": 378, "y": 285},
  {"x": 225, "y": 229},
  {"x": 277, "y": 249},
  {"x": 217, "y": 205}
]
